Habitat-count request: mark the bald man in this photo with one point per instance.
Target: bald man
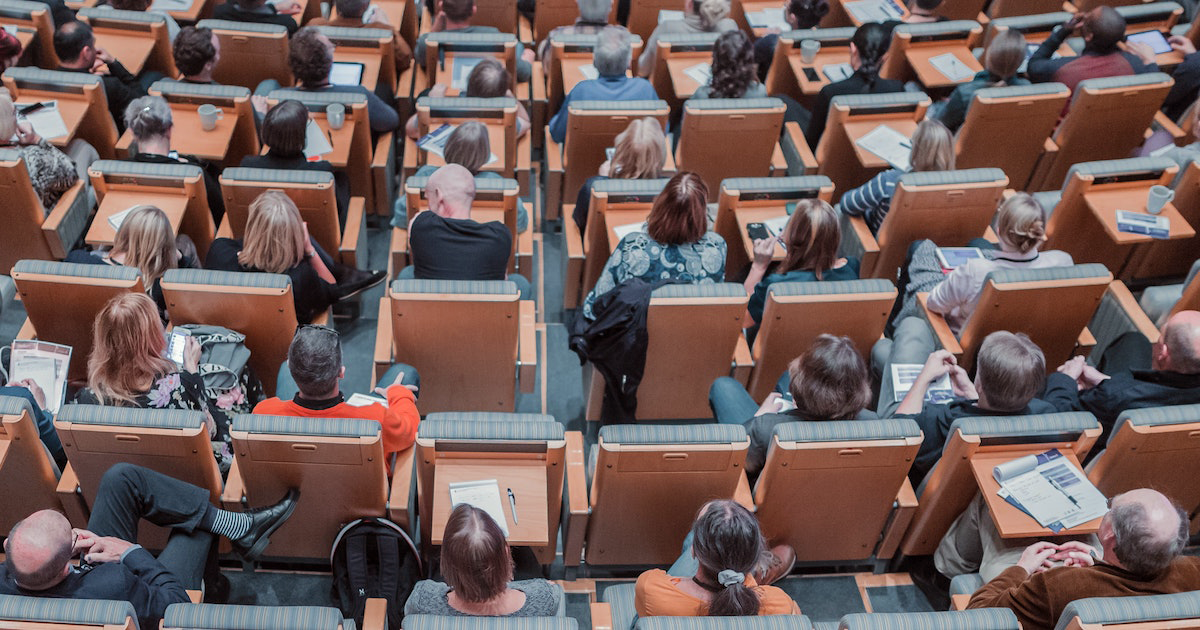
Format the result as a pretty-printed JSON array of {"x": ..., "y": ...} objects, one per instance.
[
  {"x": 1173, "y": 377},
  {"x": 1141, "y": 539}
]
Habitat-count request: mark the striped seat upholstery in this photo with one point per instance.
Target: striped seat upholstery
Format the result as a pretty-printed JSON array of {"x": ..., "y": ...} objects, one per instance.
[
  {"x": 295, "y": 425},
  {"x": 981, "y": 619},
  {"x": 144, "y": 169},
  {"x": 347, "y": 33},
  {"x": 171, "y": 87},
  {"x": 629, "y": 186},
  {"x": 937, "y": 28},
  {"x": 14, "y": 406},
  {"x": 435, "y": 622},
  {"x": 963, "y": 176},
  {"x": 865, "y": 103},
  {"x": 966, "y": 584},
  {"x": 76, "y": 270},
  {"x": 1027, "y": 23},
  {"x": 777, "y": 187},
  {"x": 1043, "y": 426},
  {"x": 67, "y": 611},
  {"x": 1119, "y": 610},
  {"x": 487, "y": 416},
  {"x": 470, "y": 41},
  {"x": 228, "y": 278},
  {"x": 694, "y": 41},
  {"x": 455, "y": 429},
  {"x": 458, "y": 287},
  {"x": 1047, "y": 274},
  {"x": 763, "y": 622},
  {"x": 601, "y": 106},
  {"x": 673, "y": 434},
  {"x": 844, "y": 430},
  {"x": 715, "y": 290},
  {"x": 249, "y": 27},
  {"x": 124, "y": 16},
  {"x": 822, "y": 34},
  {"x": 706, "y": 104},
  {"x": 131, "y": 417},
  {"x": 48, "y": 79},
  {"x": 840, "y": 287},
  {"x": 463, "y": 104},
  {"x": 229, "y": 617},
  {"x": 619, "y": 598},
  {"x": 276, "y": 175},
  {"x": 318, "y": 101},
  {"x": 1124, "y": 166},
  {"x": 482, "y": 184}
]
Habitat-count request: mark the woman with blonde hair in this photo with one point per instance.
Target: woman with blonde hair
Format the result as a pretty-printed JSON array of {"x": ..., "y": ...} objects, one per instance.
[
  {"x": 932, "y": 150},
  {"x": 699, "y": 16},
  {"x": 1001, "y": 62},
  {"x": 51, "y": 171},
  {"x": 639, "y": 152}
]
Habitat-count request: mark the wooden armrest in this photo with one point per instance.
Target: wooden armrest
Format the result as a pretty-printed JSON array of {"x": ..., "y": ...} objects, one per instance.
[
  {"x": 383, "y": 149},
  {"x": 383, "y": 334},
  {"x": 1119, "y": 292},
  {"x": 400, "y": 495},
  {"x": 527, "y": 346},
  {"x": 235, "y": 489},
  {"x": 57, "y": 215},
  {"x": 901, "y": 518},
  {"x": 601, "y": 616},
  {"x": 779, "y": 163},
  {"x": 123, "y": 144},
  {"x": 397, "y": 251},
  {"x": 1162, "y": 121},
  {"x": 1049, "y": 146},
  {"x": 537, "y": 82},
  {"x": 743, "y": 360},
  {"x": 959, "y": 602},
  {"x": 941, "y": 330},
  {"x": 807, "y": 159},
  {"x": 576, "y": 256},
  {"x": 383, "y": 174},
  {"x": 577, "y": 500},
  {"x": 989, "y": 235},
  {"x": 857, "y": 240},
  {"x": 743, "y": 494},
  {"x": 71, "y": 498},
  {"x": 375, "y": 614},
  {"x": 194, "y": 595},
  {"x": 554, "y": 153},
  {"x": 26, "y": 331},
  {"x": 1085, "y": 342},
  {"x": 354, "y": 234}
]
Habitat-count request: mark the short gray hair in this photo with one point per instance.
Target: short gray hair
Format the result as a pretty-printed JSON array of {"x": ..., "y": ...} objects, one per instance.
[
  {"x": 612, "y": 53},
  {"x": 148, "y": 117},
  {"x": 1138, "y": 547},
  {"x": 315, "y": 359},
  {"x": 594, "y": 10}
]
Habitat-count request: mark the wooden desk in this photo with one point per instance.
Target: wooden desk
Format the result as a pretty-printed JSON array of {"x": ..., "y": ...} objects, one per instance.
[
  {"x": 834, "y": 55},
  {"x": 180, "y": 10},
  {"x": 1105, "y": 203},
  {"x": 745, "y": 216},
  {"x": 369, "y": 60},
  {"x": 904, "y": 13},
  {"x": 683, "y": 84},
  {"x": 496, "y": 140},
  {"x": 617, "y": 218},
  {"x": 339, "y": 138},
  {"x": 857, "y": 129},
  {"x": 919, "y": 56},
  {"x": 101, "y": 233},
  {"x": 208, "y": 145},
  {"x": 71, "y": 108},
  {"x": 25, "y": 35},
  {"x": 526, "y": 478},
  {"x": 1011, "y": 522},
  {"x": 131, "y": 49},
  {"x": 754, "y": 6}
]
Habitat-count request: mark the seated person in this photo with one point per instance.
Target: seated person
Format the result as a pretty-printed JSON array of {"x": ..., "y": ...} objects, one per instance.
[
  {"x": 478, "y": 568},
  {"x": 828, "y": 382},
  {"x": 362, "y": 14},
  {"x": 593, "y": 18},
  {"x": 149, "y": 120},
  {"x": 128, "y": 367},
  {"x": 676, "y": 244},
  {"x": 924, "y": 12},
  {"x": 811, "y": 239},
  {"x": 868, "y": 47},
  {"x": 611, "y": 57},
  {"x": 75, "y": 45},
  {"x": 39, "y": 548},
  {"x": 932, "y": 150},
  {"x": 1010, "y": 372},
  {"x": 1001, "y": 62},
  {"x": 699, "y": 16},
  {"x": 1186, "y": 76},
  {"x": 28, "y": 389},
  {"x": 734, "y": 73},
  {"x": 311, "y": 377},
  {"x": 1102, "y": 30},
  {"x": 197, "y": 51},
  {"x": 277, "y": 12},
  {"x": 146, "y": 242},
  {"x": 283, "y": 133},
  {"x": 276, "y": 241},
  {"x": 60, "y": 13},
  {"x": 10, "y": 50},
  {"x": 801, "y": 15},
  {"x": 725, "y": 547},
  {"x": 1184, "y": 155},
  {"x": 639, "y": 152},
  {"x": 488, "y": 79},
  {"x": 454, "y": 16},
  {"x": 144, "y": 7},
  {"x": 51, "y": 171}
]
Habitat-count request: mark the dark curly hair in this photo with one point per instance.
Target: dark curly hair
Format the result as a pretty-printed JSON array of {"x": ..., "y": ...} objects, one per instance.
[
  {"x": 808, "y": 13},
  {"x": 309, "y": 58},
  {"x": 193, "y": 48},
  {"x": 733, "y": 67}
]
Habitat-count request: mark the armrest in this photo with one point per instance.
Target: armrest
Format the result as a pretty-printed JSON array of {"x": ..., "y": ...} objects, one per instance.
[
  {"x": 554, "y": 153},
  {"x": 71, "y": 497},
  {"x": 601, "y": 616},
  {"x": 1120, "y": 296},
  {"x": 383, "y": 169},
  {"x": 398, "y": 251},
  {"x": 67, "y": 221},
  {"x": 383, "y": 334},
  {"x": 235, "y": 489},
  {"x": 375, "y": 614},
  {"x": 902, "y": 515},
  {"x": 526, "y": 346},
  {"x": 577, "y": 505},
  {"x": 401, "y": 494},
  {"x": 353, "y": 248},
  {"x": 1161, "y": 121},
  {"x": 26, "y": 331},
  {"x": 555, "y": 170},
  {"x": 194, "y": 596},
  {"x": 743, "y": 494},
  {"x": 537, "y": 82},
  {"x": 123, "y": 145},
  {"x": 1118, "y": 313},
  {"x": 959, "y": 602},
  {"x": 858, "y": 242},
  {"x": 779, "y": 161},
  {"x": 743, "y": 361},
  {"x": 941, "y": 330},
  {"x": 1085, "y": 342},
  {"x": 801, "y": 160},
  {"x": 573, "y": 279}
]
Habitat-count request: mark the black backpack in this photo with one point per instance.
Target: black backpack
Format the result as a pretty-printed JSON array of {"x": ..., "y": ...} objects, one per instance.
[{"x": 374, "y": 557}]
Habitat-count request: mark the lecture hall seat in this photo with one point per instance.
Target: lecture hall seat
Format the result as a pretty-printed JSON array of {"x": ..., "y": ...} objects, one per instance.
[
  {"x": 29, "y": 231},
  {"x": 45, "y": 613},
  {"x": 28, "y": 476}
]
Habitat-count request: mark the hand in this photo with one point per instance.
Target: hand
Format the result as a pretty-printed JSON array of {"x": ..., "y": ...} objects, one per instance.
[
  {"x": 528, "y": 55},
  {"x": 102, "y": 55},
  {"x": 399, "y": 377},
  {"x": 287, "y": 7},
  {"x": 1074, "y": 22},
  {"x": 26, "y": 135},
  {"x": 1036, "y": 557},
  {"x": 1142, "y": 50},
  {"x": 939, "y": 362},
  {"x": 605, "y": 168},
  {"x": 438, "y": 90},
  {"x": 259, "y": 102},
  {"x": 1073, "y": 368},
  {"x": 764, "y": 251},
  {"x": 191, "y": 355},
  {"x": 309, "y": 250},
  {"x": 961, "y": 383},
  {"x": 770, "y": 405},
  {"x": 1181, "y": 44},
  {"x": 106, "y": 549},
  {"x": 100, "y": 68},
  {"x": 1074, "y": 553},
  {"x": 39, "y": 396},
  {"x": 1090, "y": 377},
  {"x": 84, "y": 540}
]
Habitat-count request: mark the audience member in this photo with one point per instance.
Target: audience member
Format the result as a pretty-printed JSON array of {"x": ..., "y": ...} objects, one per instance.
[
  {"x": 868, "y": 47},
  {"x": 312, "y": 375},
  {"x": 932, "y": 150},
  {"x": 51, "y": 172},
  {"x": 276, "y": 241},
  {"x": 10, "y": 50},
  {"x": 197, "y": 51},
  {"x": 362, "y": 14},
  {"x": 801, "y": 15},
  {"x": 146, "y": 242},
  {"x": 454, "y": 16},
  {"x": 39, "y": 548},
  {"x": 611, "y": 57},
  {"x": 1102, "y": 30},
  {"x": 639, "y": 152},
  {"x": 1187, "y": 78},
  {"x": 1001, "y": 62},
  {"x": 478, "y": 568},
  {"x": 720, "y": 554},
  {"x": 828, "y": 382},
  {"x": 1142, "y": 539},
  {"x": 734, "y": 72},
  {"x": 488, "y": 79},
  {"x": 278, "y": 12},
  {"x": 144, "y": 6},
  {"x": 924, "y": 12},
  {"x": 1184, "y": 155},
  {"x": 676, "y": 243},
  {"x": 29, "y": 390},
  {"x": 60, "y": 13},
  {"x": 593, "y": 18},
  {"x": 149, "y": 120},
  {"x": 75, "y": 45},
  {"x": 699, "y": 16},
  {"x": 1139, "y": 374}
]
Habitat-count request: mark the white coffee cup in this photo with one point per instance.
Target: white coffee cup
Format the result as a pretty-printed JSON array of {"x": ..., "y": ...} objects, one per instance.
[
  {"x": 1158, "y": 197},
  {"x": 209, "y": 115},
  {"x": 809, "y": 49},
  {"x": 336, "y": 115}
]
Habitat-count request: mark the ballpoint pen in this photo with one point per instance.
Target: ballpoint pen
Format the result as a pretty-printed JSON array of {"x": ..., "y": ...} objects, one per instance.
[
  {"x": 1058, "y": 487},
  {"x": 512, "y": 503}
]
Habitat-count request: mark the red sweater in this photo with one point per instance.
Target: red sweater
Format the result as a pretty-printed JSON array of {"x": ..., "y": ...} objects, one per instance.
[{"x": 399, "y": 418}]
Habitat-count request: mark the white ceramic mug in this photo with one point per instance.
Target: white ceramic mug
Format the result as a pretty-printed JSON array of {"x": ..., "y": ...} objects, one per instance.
[
  {"x": 336, "y": 115},
  {"x": 1158, "y": 197},
  {"x": 209, "y": 115},
  {"x": 809, "y": 49}
]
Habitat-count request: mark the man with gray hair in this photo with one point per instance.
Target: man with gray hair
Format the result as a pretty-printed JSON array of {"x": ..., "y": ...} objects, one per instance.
[
  {"x": 611, "y": 58},
  {"x": 593, "y": 17},
  {"x": 1141, "y": 540}
]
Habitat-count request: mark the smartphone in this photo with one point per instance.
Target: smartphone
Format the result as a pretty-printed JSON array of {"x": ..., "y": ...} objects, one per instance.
[
  {"x": 757, "y": 231},
  {"x": 176, "y": 343},
  {"x": 811, "y": 75}
]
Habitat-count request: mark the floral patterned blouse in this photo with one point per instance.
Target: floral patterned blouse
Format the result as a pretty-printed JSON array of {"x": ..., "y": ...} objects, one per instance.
[{"x": 639, "y": 256}]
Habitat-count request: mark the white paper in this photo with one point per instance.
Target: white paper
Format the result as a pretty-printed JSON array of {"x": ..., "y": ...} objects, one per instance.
[
  {"x": 463, "y": 65},
  {"x": 951, "y": 257},
  {"x": 47, "y": 121},
  {"x": 44, "y": 363},
  {"x": 777, "y": 225},
  {"x": 365, "y": 400},
  {"x": 589, "y": 71},
  {"x": 666, "y": 15},
  {"x": 1050, "y": 489},
  {"x": 171, "y": 5},
  {"x": 873, "y": 10},
  {"x": 118, "y": 218},
  {"x": 890, "y": 145},
  {"x": 435, "y": 142},
  {"x": 485, "y": 495},
  {"x": 316, "y": 142},
  {"x": 905, "y": 374},
  {"x": 837, "y": 71},
  {"x": 624, "y": 230},
  {"x": 700, "y": 73},
  {"x": 768, "y": 18},
  {"x": 951, "y": 67}
]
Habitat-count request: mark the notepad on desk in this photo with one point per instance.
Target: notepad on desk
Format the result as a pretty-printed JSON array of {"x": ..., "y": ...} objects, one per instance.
[
  {"x": 777, "y": 225},
  {"x": 904, "y": 375},
  {"x": 621, "y": 231},
  {"x": 435, "y": 142},
  {"x": 874, "y": 10},
  {"x": 667, "y": 15},
  {"x": 115, "y": 220},
  {"x": 837, "y": 71},
  {"x": 365, "y": 400},
  {"x": 890, "y": 145},
  {"x": 47, "y": 120},
  {"x": 1152, "y": 225},
  {"x": 700, "y": 73},
  {"x": 1051, "y": 489},
  {"x": 589, "y": 71},
  {"x": 768, "y": 18},
  {"x": 951, "y": 67},
  {"x": 316, "y": 141},
  {"x": 483, "y": 494},
  {"x": 463, "y": 65}
]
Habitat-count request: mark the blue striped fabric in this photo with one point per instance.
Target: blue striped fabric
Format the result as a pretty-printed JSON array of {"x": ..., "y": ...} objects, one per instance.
[
  {"x": 20, "y": 8},
  {"x": 837, "y": 287},
  {"x": 318, "y": 100},
  {"x": 248, "y": 27},
  {"x": 1041, "y": 21},
  {"x": 619, "y": 598},
  {"x": 227, "y": 278},
  {"x": 1157, "y": 416},
  {"x": 627, "y": 186},
  {"x": 482, "y": 184},
  {"x": 14, "y": 406},
  {"x": 340, "y": 34},
  {"x": 76, "y": 270},
  {"x": 587, "y": 41},
  {"x": 673, "y": 434},
  {"x": 1133, "y": 80},
  {"x": 143, "y": 17},
  {"x": 846, "y": 430},
  {"x": 456, "y": 287},
  {"x": 227, "y": 617},
  {"x": 1050, "y": 274},
  {"x": 121, "y": 167},
  {"x": 466, "y": 102},
  {"x": 1161, "y": 10},
  {"x": 1023, "y": 90},
  {"x": 497, "y": 431},
  {"x": 979, "y": 619},
  {"x": 168, "y": 87},
  {"x": 452, "y": 38},
  {"x": 10, "y": 155},
  {"x": 434, "y": 622},
  {"x": 820, "y": 34},
  {"x": 29, "y": 74},
  {"x": 764, "y": 622},
  {"x": 775, "y": 184},
  {"x": 131, "y": 417},
  {"x": 702, "y": 41},
  {"x": 1124, "y": 166},
  {"x": 74, "y": 611},
  {"x": 1116, "y": 610},
  {"x": 966, "y": 584},
  {"x": 1034, "y": 426},
  {"x": 732, "y": 103},
  {"x": 880, "y": 100},
  {"x": 488, "y": 416},
  {"x": 634, "y": 106},
  {"x": 294, "y": 425},
  {"x": 938, "y": 28},
  {"x": 715, "y": 290},
  {"x": 963, "y": 176},
  {"x": 273, "y": 175}
]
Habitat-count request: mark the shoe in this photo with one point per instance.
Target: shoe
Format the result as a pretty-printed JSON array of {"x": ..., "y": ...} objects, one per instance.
[
  {"x": 263, "y": 522},
  {"x": 356, "y": 281},
  {"x": 776, "y": 563}
]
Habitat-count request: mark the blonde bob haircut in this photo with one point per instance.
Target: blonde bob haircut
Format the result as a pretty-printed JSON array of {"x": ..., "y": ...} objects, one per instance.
[
  {"x": 933, "y": 147},
  {"x": 128, "y": 344},
  {"x": 640, "y": 150},
  {"x": 148, "y": 243},
  {"x": 274, "y": 239}
]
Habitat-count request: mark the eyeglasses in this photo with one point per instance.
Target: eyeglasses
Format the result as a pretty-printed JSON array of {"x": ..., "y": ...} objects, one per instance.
[{"x": 317, "y": 327}]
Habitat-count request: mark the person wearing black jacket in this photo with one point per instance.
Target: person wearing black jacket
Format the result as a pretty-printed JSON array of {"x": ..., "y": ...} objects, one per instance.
[
  {"x": 75, "y": 45},
  {"x": 868, "y": 47}
]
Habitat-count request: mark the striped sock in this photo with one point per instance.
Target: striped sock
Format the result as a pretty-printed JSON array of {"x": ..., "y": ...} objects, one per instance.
[{"x": 232, "y": 525}]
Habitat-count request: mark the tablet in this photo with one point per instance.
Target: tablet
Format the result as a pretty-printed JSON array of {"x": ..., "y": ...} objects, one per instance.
[
  {"x": 346, "y": 73},
  {"x": 1154, "y": 39}
]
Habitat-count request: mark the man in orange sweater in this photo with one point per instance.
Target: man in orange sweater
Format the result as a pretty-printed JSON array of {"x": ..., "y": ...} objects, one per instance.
[{"x": 314, "y": 369}]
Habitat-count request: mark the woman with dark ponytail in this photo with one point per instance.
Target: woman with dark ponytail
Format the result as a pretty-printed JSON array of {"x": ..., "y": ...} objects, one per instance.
[
  {"x": 726, "y": 543},
  {"x": 868, "y": 47}
]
